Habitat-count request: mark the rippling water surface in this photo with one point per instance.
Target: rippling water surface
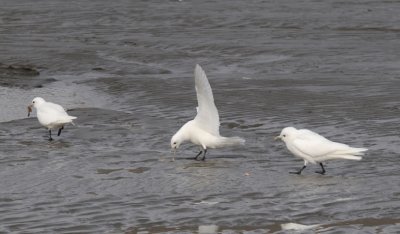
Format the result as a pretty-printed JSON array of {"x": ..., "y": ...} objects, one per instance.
[{"x": 125, "y": 68}]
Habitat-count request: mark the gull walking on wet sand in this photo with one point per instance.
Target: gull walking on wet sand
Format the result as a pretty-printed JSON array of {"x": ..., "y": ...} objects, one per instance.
[
  {"x": 50, "y": 115},
  {"x": 203, "y": 130},
  {"x": 314, "y": 148}
]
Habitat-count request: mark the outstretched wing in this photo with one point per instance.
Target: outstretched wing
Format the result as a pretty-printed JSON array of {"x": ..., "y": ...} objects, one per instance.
[
  {"x": 315, "y": 145},
  {"x": 207, "y": 116}
]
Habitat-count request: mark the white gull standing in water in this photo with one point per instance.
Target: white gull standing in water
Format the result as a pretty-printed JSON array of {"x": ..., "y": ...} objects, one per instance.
[
  {"x": 203, "y": 130},
  {"x": 314, "y": 148},
  {"x": 50, "y": 115}
]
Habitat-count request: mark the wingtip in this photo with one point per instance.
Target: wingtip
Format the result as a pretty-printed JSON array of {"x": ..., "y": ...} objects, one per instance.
[
  {"x": 198, "y": 68},
  {"x": 198, "y": 71},
  {"x": 362, "y": 150}
]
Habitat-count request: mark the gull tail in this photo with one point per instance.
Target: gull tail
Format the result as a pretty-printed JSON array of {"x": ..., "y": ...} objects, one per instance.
[
  {"x": 231, "y": 141},
  {"x": 350, "y": 154},
  {"x": 351, "y": 151},
  {"x": 72, "y": 118},
  {"x": 349, "y": 157},
  {"x": 67, "y": 119},
  {"x": 359, "y": 151}
]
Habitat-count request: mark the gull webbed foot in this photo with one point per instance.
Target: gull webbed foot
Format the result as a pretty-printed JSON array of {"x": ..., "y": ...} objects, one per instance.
[
  {"x": 197, "y": 156},
  {"x": 298, "y": 172},
  {"x": 322, "y": 172}
]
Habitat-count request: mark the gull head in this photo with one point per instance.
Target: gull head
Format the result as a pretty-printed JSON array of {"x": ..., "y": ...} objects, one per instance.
[
  {"x": 286, "y": 134},
  {"x": 176, "y": 141},
  {"x": 35, "y": 103}
]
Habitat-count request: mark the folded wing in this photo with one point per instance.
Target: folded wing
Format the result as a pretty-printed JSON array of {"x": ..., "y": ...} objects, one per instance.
[
  {"x": 55, "y": 113},
  {"x": 317, "y": 146}
]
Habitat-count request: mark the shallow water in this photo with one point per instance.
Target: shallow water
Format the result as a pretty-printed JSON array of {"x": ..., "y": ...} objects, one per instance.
[{"x": 125, "y": 69}]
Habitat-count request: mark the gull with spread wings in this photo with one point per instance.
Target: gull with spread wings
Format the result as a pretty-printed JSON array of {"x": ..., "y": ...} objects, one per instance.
[{"x": 203, "y": 130}]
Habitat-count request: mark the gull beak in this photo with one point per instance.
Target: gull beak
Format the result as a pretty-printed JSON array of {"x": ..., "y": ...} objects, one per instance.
[
  {"x": 277, "y": 138},
  {"x": 29, "y": 109}
]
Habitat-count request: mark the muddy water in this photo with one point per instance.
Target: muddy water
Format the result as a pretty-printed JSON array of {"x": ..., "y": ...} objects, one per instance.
[{"x": 125, "y": 69}]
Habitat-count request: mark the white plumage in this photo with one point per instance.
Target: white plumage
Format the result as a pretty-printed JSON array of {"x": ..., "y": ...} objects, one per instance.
[
  {"x": 314, "y": 148},
  {"x": 203, "y": 130},
  {"x": 50, "y": 115}
]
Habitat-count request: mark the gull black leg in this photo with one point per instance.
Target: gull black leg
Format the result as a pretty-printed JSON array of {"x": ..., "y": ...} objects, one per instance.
[
  {"x": 59, "y": 131},
  {"x": 204, "y": 155},
  {"x": 323, "y": 169},
  {"x": 298, "y": 172},
  {"x": 195, "y": 158},
  {"x": 50, "y": 139}
]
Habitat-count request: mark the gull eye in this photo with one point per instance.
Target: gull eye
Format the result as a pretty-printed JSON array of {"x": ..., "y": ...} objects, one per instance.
[
  {"x": 33, "y": 102},
  {"x": 174, "y": 143},
  {"x": 284, "y": 135}
]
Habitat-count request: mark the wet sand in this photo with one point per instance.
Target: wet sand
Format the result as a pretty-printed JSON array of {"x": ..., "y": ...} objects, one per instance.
[{"x": 125, "y": 69}]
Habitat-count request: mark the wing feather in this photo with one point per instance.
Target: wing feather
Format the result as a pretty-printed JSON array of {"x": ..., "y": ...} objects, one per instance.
[
  {"x": 54, "y": 113},
  {"x": 207, "y": 114},
  {"x": 315, "y": 145},
  {"x": 55, "y": 107}
]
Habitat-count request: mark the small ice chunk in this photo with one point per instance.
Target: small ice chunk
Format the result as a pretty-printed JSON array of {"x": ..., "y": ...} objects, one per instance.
[
  {"x": 208, "y": 229},
  {"x": 297, "y": 226},
  {"x": 207, "y": 203}
]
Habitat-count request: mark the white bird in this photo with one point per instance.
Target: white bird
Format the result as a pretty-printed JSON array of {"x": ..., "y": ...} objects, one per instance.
[
  {"x": 50, "y": 115},
  {"x": 203, "y": 130},
  {"x": 314, "y": 148}
]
